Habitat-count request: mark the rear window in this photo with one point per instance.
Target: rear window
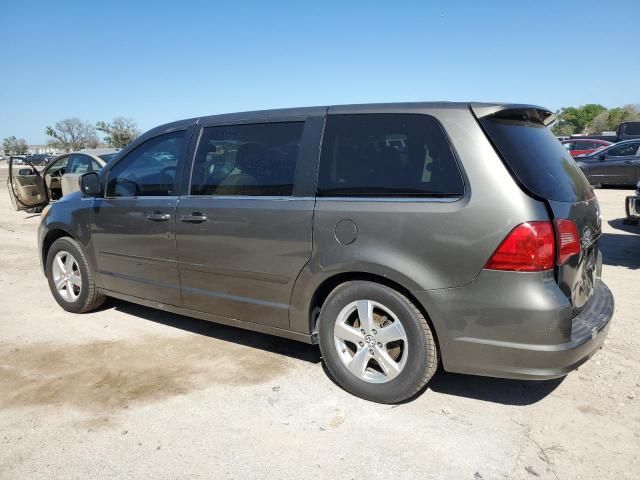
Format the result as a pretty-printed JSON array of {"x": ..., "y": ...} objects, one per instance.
[
  {"x": 535, "y": 156},
  {"x": 398, "y": 155},
  {"x": 631, "y": 128}
]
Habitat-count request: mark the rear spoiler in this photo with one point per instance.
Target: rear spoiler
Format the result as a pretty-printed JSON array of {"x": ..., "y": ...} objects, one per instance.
[{"x": 532, "y": 113}]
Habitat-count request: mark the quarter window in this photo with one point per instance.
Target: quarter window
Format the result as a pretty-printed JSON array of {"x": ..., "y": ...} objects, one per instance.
[
  {"x": 149, "y": 169},
  {"x": 387, "y": 155},
  {"x": 253, "y": 159}
]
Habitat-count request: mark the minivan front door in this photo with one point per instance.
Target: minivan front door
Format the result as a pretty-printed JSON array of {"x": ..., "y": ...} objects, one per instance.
[
  {"x": 133, "y": 226},
  {"x": 243, "y": 234}
]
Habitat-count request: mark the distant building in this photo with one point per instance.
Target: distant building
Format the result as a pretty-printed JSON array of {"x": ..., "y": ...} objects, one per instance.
[{"x": 46, "y": 149}]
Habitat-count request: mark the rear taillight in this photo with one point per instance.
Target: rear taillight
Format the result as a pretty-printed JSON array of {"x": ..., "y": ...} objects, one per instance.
[
  {"x": 530, "y": 247},
  {"x": 567, "y": 238}
]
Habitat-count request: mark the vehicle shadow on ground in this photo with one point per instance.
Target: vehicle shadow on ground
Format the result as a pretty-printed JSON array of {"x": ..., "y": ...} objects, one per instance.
[
  {"x": 621, "y": 249},
  {"x": 262, "y": 341},
  {"x": 507, "y": 392},
  {"x": 495, "y": 390}
]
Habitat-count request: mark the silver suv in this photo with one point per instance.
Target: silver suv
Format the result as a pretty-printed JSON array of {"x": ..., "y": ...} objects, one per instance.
[{"x": 398, "y": 237}]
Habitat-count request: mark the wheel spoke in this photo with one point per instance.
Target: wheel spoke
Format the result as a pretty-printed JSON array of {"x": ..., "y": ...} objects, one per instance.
[
  {"x": 60, "y": 283},
  {"x": 61, "y": 265},
  {"x": 68, "y": 264},
  {"x": 75, "y": 280},
  {"x": 359, "y": 362},
  {"x": 347, "y": 333},
  {"x": 389, "y": 366},
  {"x": 391, "y": 333},
  {"x": 365, "y": 314}
]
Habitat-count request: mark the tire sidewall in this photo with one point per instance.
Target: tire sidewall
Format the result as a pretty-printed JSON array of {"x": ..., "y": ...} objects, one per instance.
[
  {"x": 404, "y": 385},
  {"x": 64, "y": 244}
]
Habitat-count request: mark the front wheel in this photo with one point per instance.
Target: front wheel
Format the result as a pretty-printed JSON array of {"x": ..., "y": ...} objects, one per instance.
[
  {"x": 375, "y": 342},
  {"x": 70, "y": 277}
]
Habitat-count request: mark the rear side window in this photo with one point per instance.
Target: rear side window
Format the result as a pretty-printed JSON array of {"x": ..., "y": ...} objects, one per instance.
[
  {"x": 256, "y": 159},
  {"x": 535, "y": 156},
  {"x": 392, "y": 155}
]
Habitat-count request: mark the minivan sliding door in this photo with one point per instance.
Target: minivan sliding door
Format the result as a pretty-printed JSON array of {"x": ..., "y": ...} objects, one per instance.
[{"x": 243, "y": 231}]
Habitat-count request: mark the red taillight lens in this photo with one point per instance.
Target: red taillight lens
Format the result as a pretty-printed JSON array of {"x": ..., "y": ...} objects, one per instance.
[
  {"x": 530, "y": 247},
  {"x": 568, "y": 239}
]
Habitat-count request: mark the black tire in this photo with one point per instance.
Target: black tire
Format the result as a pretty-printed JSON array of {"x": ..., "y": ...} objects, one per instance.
[
  {"x": 422, "y": 358},
  {"x": 88, "y": 297}
]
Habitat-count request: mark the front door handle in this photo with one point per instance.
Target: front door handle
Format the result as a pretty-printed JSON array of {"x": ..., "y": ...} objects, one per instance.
[
  {"x": 194, "y": 217},
  {"x": 158, "y": 216}
]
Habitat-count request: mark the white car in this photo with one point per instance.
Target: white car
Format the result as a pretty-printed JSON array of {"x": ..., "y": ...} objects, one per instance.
[{"x": 30, "y": 188}]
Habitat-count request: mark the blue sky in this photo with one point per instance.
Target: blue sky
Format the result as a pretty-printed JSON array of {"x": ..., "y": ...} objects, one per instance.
[{"x": 161, "y": 61}]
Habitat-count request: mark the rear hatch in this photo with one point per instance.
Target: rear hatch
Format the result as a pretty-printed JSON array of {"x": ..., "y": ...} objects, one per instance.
[{"x": 546, "y": 171}]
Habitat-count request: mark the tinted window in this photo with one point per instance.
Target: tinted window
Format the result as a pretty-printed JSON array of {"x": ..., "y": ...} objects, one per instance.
[
  {"x": 632, "y": 128},
  {"x": 256, "y": 159},
  {"x": 387, "y": 155},
  {"x": 142, "y": 172},
  {"x": 535, "y": 157},
  {"x": 627, "y": 149}
]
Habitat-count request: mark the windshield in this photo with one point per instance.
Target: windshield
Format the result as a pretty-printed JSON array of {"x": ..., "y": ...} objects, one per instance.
[{"x": 108, "y": 156}]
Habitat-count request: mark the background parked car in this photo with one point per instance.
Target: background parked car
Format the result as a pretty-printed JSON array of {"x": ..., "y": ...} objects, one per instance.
[
  {"x": 632, "y": 207},
  {"x": 578, "y": 146},
  {"x": 628, "y": 130},
  {"x": 30, "y": 188},
  {"x": 617, "y": 164}
]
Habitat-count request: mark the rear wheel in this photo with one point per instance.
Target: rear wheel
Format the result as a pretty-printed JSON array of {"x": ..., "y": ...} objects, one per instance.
[
  {"x": 70, "y": 277},
  {"x": 375, "y": 342}
]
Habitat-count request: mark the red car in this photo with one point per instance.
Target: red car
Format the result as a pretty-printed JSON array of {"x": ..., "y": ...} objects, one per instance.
[{"x": 578, "y": 146}]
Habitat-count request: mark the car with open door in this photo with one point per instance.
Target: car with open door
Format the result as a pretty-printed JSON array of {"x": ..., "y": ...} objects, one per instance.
[
  {"x": 31, "y": 188},
  {"x": 617, "y": 164}
]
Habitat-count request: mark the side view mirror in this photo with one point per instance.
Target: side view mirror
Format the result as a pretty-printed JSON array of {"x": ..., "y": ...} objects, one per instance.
[
  {"x": 90, "y": 184},
  {"x": 26, "y": 171}
]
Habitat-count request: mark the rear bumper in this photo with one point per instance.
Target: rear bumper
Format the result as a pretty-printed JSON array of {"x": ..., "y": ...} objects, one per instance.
[
  {"x": 511, "y": 358},
  {"x": 632, "y": 206}
]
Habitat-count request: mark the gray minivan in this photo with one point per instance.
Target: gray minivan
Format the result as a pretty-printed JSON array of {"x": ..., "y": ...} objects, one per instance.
[{"x": 396, "y": 236}]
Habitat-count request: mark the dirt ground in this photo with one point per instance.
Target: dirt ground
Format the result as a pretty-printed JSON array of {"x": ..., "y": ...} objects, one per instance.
[{"x": 130, "y": 392}]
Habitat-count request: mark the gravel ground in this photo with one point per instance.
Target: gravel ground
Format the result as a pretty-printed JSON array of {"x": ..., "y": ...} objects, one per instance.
[{"x": 130, "y": 392}]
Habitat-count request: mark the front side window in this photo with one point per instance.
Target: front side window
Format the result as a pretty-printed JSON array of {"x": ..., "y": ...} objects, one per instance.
[
  {"x": 149, "y": 169},
  {"x": 387, "y": 155},
  {"x": 59, "y": 166},
  {"x": 82, "y": 164},
  {"x": 253, "y": 159},
  {"x": 625, "y": 150}
]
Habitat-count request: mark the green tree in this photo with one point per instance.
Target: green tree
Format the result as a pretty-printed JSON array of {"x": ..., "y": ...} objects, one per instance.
[
  {"x": 609, "y": 120},
  {"x": 576, "y": 119},
  {"x": 120, "y": 132},
  {"x": 72, "y": 134},
  {"x": 9, "y": 145}
]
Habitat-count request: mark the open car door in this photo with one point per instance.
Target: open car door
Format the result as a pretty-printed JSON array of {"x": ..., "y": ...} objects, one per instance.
[{"x": 26, "y": 186}]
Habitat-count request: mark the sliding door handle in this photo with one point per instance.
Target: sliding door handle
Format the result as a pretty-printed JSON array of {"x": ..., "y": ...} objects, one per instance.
[
  {"x": 195, "y": 217},
  {"x": 158, "y": 216}
]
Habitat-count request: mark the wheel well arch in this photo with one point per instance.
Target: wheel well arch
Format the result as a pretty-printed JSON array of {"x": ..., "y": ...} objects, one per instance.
[
  {"x": 49, "y": 238},
  {"x": 328, "y": 285}
]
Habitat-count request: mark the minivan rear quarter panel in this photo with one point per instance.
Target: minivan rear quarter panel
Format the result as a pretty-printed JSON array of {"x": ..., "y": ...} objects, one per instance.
[{"x": 399, "y": 239}]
